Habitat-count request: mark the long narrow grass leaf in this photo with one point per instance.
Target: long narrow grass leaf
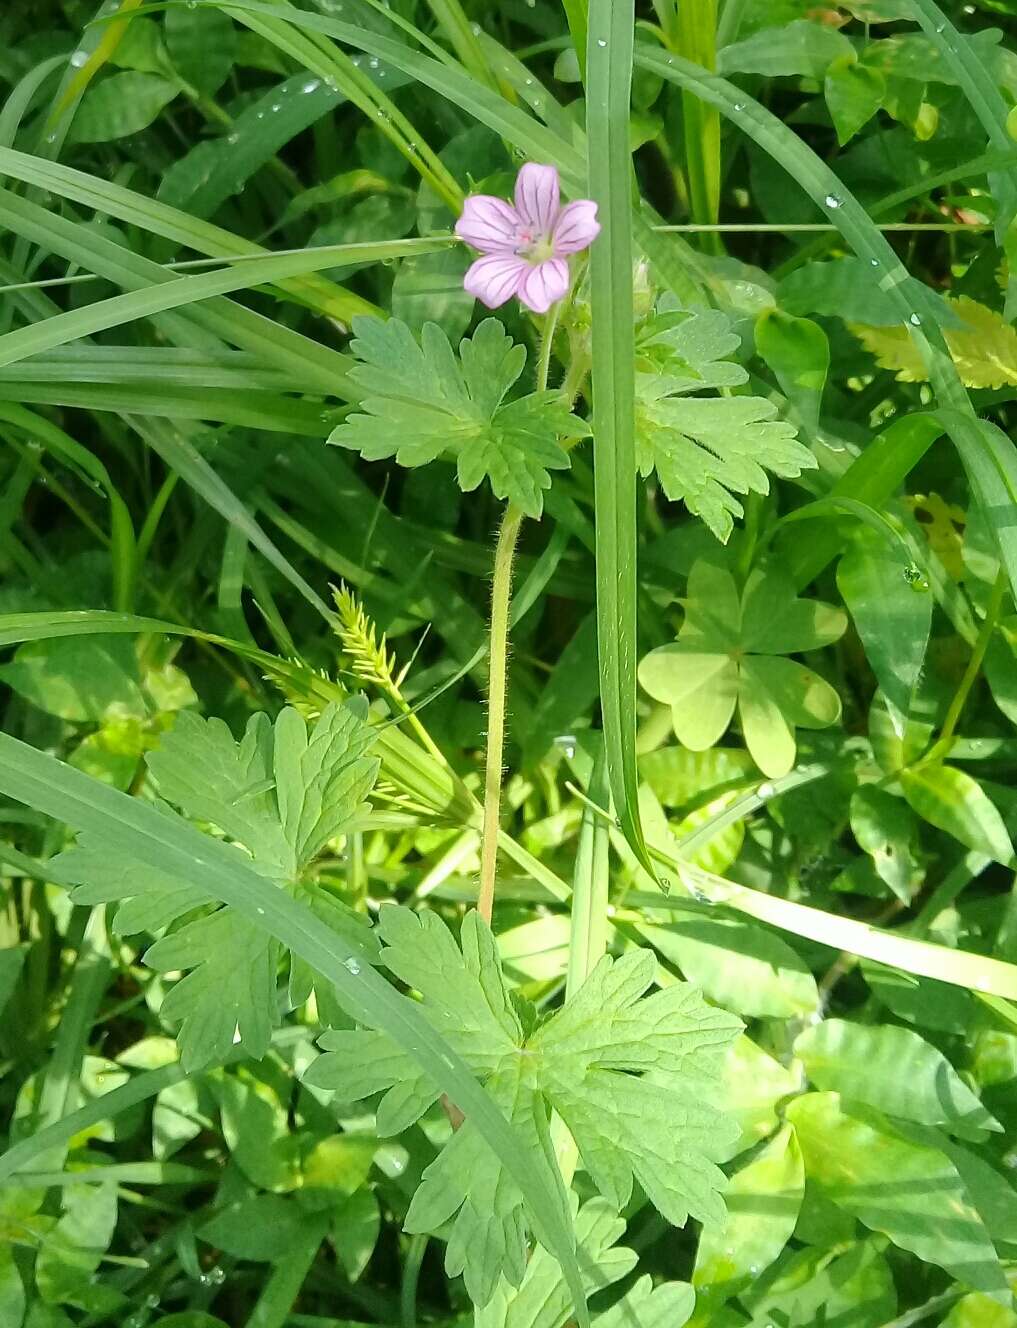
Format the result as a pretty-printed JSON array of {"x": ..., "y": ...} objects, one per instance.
[{"x": 609, "y": 75}]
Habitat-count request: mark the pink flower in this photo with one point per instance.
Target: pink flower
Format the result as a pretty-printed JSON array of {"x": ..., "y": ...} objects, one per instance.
[{"x": 525, "y": 247}]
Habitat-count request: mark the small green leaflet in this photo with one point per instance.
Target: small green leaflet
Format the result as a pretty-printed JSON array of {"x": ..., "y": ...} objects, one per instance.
[
  {"x": 422, "y": 402},
  {"x": 280, "y": 794},
  {"x": 630, "y": 1075},
  {"x": 730, "y": 655},
  {"x": 706, "y": 449}
]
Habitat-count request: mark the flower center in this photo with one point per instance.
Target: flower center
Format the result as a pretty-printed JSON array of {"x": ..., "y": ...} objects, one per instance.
[{"x": 535, "y": 248}]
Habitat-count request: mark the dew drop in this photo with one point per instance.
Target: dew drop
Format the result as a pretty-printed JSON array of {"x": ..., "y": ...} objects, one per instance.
[
  {"x": 312, "y": 85},
  {"x": 834, "y": 201},
  {"x": 566, "y": 742},
  {"x": 233, "y": 138},
  {"x": 276, "y": 106},
  {"x": 915, "y": 320},
  {"x": 739, "y": 106},
  {"x": 351, "y": 966},
  {"x": 373, "y": 63},
  {"x": 874, "y": 262},
  {"x": 79, "y": 58},
  {"x": 236, "y": 1034},
  {"x": 766, "y": 790},
  {"x": 601, "y": 42}
]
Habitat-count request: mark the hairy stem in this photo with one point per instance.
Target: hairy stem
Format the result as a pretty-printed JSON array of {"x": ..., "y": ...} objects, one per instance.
[{"x": 501, "y": 592}]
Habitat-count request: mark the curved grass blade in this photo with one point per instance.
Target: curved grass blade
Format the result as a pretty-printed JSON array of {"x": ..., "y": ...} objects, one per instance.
[
  {"x": 113, "y": 200},
  {"x": 300, "y": 358},
  {"x": 172, "y": 845},
  {"x": 405, "y": 764},
  {"x": 526, "y": 133},
  {"x": 381, "y": 111},
  {"x": 991, "y": 470},
  {"x": 986, "y": 100},
  {"x": 609, "y": 78},
  {"x": 181, "y": 291},
  {"x": 958, "y": 967}
]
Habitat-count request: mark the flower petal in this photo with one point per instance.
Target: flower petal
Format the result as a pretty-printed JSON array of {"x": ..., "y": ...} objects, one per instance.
[
  {"x": 544, "y": 284},
  {"x": 496, "y": 278},
  {"x": 489, "y": 224},
  {"x": 577, "y": 227},
  {"x": 538, "y": 197}
]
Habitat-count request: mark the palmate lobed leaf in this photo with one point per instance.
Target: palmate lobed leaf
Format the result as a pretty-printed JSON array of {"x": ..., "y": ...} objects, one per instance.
[
  {"x": 706, "y": 449},
  {"x": 422, "y": 402},
  {"x": 280, "y": 794},
  {"x": 629, "y": 1074}
]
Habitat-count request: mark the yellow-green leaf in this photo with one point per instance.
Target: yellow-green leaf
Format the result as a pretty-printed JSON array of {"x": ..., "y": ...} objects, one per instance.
[{"x": 984, "y": 349}]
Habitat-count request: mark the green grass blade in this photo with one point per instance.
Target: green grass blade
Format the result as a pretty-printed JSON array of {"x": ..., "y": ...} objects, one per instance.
[
  {"x": 609, "y": 76},
  {"x": 381, "y": 111},
  {"x": 172, "y": 845},
  {"x": 404, "y": 763},
  {"x": 452, "y": 20},
  {"x": 123, "y": 549},
  {"x": 490, "y": 108},
  {"x": 297, "y": 356},
  {"x": 992, "y": 474},
  {"x": 113, "y": 200},
  {"x": 179, "y": 292},
  {"x": 695, "y": 37},
  {"x": 269, "y": 411},
  {"x": 193, "y": 469},
  {"x": 577, "y": 13},
  {"x": 981, "y": 90},
  {"x": 590, "y": 927},
  {"x": 107, "y": 1107}
]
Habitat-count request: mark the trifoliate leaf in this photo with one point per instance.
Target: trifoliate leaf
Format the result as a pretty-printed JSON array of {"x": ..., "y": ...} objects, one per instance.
[
  {"x": 984, "y": 347},
  {"x": 706, "y": 449},
  {"x": 728, "y": 656},
  {"x": 280, "y": 795},
  {"x": 422, "y": 402},
  {"x": 629, "y": 1074}
]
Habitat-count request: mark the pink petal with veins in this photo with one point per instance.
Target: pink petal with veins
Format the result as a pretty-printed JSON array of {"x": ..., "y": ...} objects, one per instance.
[
  {"x": 496, "y": 278},
  {"x": 577, "y": 227},
  {"x": 544, "y": 284},
  {"x": 538, "y": 197},
  {"x": 489, "y": 224}
]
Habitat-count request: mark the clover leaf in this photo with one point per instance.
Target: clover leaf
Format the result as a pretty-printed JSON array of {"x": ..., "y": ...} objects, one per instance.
[{"x": 730, "y": 655}]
